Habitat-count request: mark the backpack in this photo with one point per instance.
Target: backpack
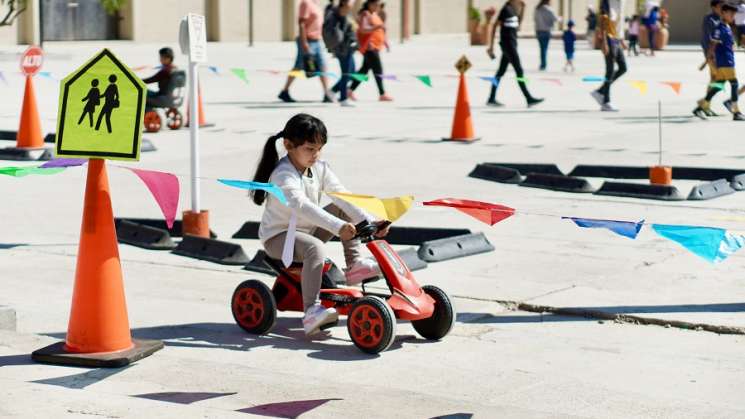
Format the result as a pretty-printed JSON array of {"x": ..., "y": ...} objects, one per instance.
[{"x": 332, "y": 36}]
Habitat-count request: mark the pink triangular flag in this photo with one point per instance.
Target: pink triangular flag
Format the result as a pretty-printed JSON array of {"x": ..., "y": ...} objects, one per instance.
[
  {"x": 165, "y": 190},
  {"x": 675, "y": 85}
]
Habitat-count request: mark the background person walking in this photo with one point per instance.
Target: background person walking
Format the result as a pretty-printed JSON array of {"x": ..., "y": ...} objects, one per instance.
[
  {"x": 544, "y": 19},
  {"x": 341, "y": 40},
  {"x": 371, "y": 36},
  {"x": 508, "y": 20},
  {"x": 612, "y": 46},
  {"x": 309, "y": 50}
]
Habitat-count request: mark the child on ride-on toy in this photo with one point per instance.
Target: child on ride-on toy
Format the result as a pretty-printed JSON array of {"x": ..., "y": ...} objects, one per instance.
[
  {"x": 158, "y": 99},
  {"x": 303, "y": 178}
]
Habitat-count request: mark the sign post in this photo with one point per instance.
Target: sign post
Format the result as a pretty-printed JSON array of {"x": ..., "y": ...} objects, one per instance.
[
  {"x": 193, "y": 40},
  {"x": 101, "y": 107}
]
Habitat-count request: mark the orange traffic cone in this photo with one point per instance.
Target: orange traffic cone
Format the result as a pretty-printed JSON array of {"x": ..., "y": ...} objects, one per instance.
[
  {"x": 462, "y": 124},
  {"x": 29, "y": 131},
  {"x": 200, "y": 109},
  {"x": 98, "y": 332}
]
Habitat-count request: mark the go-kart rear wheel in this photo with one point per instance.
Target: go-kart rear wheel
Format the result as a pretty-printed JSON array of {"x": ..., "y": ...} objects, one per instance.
[
  {"x": 371, "y": 324},
  {"x": 174, "y": 119},
  {"x": 442, "y": 319},
  {"x": 152, "y": 121},
  {"x": 254, "y": 308}
]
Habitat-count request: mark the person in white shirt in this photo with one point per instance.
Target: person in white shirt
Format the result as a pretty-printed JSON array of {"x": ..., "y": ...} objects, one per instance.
[{"x": 303, "y": 178}]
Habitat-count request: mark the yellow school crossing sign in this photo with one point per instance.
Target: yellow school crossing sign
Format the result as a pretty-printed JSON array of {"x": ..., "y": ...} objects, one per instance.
[{"x": 101, "y": 107}]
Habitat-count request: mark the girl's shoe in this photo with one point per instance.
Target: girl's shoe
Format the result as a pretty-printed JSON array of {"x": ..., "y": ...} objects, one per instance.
[
  {"x": 361, "y": 270},
  {"x": 385, "y": 98},
  {"x": 318, "y": 316}
]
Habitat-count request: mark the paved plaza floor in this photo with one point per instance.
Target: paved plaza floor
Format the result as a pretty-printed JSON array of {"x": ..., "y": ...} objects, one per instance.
[{"x": 498, "y": 361}]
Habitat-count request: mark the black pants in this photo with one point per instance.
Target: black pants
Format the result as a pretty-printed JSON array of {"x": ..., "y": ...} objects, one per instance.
[
  {"x": 509, "y": 56},
  {"x": 633, "y": 44},
  {"x": 715, "y": 87},
  {"x": 614, "y": 56},
  {"x": 372, "y": 62}
]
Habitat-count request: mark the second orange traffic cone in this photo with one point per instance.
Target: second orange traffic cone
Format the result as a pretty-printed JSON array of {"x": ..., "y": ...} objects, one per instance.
[
  {"x": 29, "y": 130},
  {"x": 200, "y": 111},
  {"x": 462, "y": 124}
]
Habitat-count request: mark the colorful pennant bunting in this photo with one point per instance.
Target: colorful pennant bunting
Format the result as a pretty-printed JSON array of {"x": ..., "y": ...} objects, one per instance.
[
  {"x": 675, "y": 85},
  {"x": 482, "y": 211},
  {"x": 427, "y": 80},
  {"x": 29, "y": 170},
  {"x": 165, "y": 189},
  {"x": 385, "y": 209},
  {"x": 359, "y": 77},
  {"x": 639, "y": 85},
  {"x": 712, "y": 244},
  {"x": 624, "y": 228},
  {"x": 240, "y": 73},
  {"x": 250, "y": 186},
  {"x": 63, "y": 163}
]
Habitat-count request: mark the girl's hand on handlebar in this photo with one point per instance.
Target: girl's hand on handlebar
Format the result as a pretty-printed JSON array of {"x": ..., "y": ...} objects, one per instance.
[
  {"x": 347, "y": 232},
  {"x": 382, "y": 232}
]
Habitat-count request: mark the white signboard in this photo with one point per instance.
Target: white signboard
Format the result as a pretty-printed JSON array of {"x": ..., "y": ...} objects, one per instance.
[{"x": 197, "y": 38}]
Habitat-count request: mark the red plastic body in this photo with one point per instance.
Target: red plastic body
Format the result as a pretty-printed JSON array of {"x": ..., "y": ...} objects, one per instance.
[{"x": 408, "y": 300}]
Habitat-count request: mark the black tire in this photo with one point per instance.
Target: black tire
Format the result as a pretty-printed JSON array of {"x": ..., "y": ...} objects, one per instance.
[
  {"x": 442, "y": 319},
  {"x": 253, "y": 306},
  {"x": 371, "y": 324}
]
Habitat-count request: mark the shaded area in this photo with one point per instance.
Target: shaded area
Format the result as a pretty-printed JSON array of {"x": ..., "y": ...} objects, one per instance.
[
  {"x": 5, "y": 246},
  {"x": 485, "y": 318},
  {"x": 286, "y": 409},
  {"x": 12, "y": 360},
  {"x": 83, "y": 380},
  {"x": 181, "y": 397}
]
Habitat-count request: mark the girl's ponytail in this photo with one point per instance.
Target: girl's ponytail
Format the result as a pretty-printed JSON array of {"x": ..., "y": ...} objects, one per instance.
[{"x": 268, "y": 162}]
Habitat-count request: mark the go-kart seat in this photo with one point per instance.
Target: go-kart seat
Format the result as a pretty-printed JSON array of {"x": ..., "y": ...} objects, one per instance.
[{"x": 174, "y": 96}]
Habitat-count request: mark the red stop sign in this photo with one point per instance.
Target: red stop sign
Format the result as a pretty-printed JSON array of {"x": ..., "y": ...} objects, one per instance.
[{"x": 32, "y": 60}]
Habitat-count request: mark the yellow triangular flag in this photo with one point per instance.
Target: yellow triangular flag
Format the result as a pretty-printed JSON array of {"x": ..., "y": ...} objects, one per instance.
[
  {"x": 300, "y": 74},
  {"x": 390, "y": 209},
  {"x": 640, "y": 85}
]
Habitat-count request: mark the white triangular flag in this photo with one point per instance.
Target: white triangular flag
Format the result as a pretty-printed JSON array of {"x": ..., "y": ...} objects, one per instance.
[{"x": 289, "y": 249}]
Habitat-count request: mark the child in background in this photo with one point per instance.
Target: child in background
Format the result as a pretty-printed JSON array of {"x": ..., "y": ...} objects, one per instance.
[
  {"x": 722, "y": 51},
  {"x": 634, "y": 25},
  {"x": 569, "y": 39},
  {"x": 303, "y": 178}
]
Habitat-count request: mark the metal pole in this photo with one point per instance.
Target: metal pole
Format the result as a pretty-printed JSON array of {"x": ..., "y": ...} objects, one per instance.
[
  {"x": 659, "y": 130},
  {"x": 250, "y": 23},
  {"x": 194, "y": 131}
]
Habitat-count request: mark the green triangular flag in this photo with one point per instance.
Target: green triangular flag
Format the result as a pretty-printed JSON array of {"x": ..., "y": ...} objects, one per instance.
[
  {"x": 25, "y": 171},
  {"x": 240, "y": 73},
  {"x": 359, "y": 77},
  {"x": 522, "y": 80},
  {"x": 425, "y": 79}
]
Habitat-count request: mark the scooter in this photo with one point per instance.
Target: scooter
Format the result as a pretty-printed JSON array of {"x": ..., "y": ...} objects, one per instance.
[{"x": 371, "y": 317}]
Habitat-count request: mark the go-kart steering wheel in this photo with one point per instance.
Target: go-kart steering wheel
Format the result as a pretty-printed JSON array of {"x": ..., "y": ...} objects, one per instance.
[{"x": 365, "y": 229}]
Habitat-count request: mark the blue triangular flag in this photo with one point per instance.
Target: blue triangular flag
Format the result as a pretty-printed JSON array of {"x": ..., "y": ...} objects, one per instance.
[
  {"x": 247, "y": 185},
  {"x": 712, "y": 244},
  {"x": 628, "y": 229},
  {"x": 492, "y": 80}
]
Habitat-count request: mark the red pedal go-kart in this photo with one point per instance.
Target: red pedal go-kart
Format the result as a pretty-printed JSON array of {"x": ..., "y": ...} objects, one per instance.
[{"x": 371, "y": 317}]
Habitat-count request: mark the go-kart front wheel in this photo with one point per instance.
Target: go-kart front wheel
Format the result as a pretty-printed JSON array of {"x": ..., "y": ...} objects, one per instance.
[
  {"x": 174, "y": 119},
  {"x": 442, "y": 319},
  {"x": 371, "y": 324},
  {"x": 254, "y": 308}
]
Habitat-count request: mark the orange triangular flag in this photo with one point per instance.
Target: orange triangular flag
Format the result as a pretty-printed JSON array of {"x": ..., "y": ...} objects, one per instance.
[{"x": 675, "y": 85}]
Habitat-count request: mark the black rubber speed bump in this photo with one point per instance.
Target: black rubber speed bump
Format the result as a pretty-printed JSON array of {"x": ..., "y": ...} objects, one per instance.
[
  {"x": 412, "y": 236},
  {"x": 411, "y": 258},
  {"x": 175, "y": 231},
  {"x": 640, "y": 190},
  {"x": 558, "y": 183},
  {"x": 144, "y": 236},
  {"x": 56, "y": 354},
  {"x": 710, "y": 190},
  {"x": 705, "y": 173},
  {"x": 50, "y": 138},
  {"x": 612, "y": 172},
  {"x": 25, "y": 154},
  {"x": 8, "y": 135},
  {"x": 454, "y": 247},
  {"x": 211, "y": 250},
  {"x": 738, "y": 182},
  {"x": 527, "y": 168},
  {"x": 495, "y": 173}
]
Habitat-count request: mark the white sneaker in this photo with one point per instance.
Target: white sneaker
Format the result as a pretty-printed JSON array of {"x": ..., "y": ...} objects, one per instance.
[
  {"x": 317, "y": 316},
  {"x": 607, "y": 107},
  {"x": 599, "y": 98},
  {"x": 361, "y": 270},
  {"x": 346, "y": 104}
]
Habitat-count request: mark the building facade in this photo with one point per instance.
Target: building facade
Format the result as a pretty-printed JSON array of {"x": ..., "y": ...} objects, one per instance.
[{"x": 276, "y": 20}]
